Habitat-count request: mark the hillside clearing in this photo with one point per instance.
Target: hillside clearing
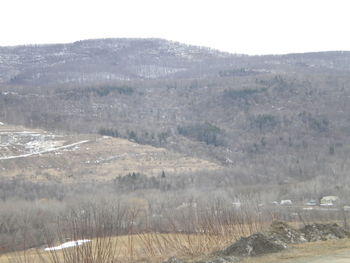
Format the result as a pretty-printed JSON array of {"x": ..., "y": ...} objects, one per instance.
[{"x": 42, "y": 156}]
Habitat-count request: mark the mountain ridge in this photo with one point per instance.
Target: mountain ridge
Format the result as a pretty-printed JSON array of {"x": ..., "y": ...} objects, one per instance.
[
  {"x": 127, "y": 59},
  {"x": 166, "y": 40}
]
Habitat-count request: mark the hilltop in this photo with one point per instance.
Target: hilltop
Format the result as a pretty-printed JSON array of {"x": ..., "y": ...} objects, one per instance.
[
  {"x": 106, "y": 60},
  {"x": 93, "y": 61}
]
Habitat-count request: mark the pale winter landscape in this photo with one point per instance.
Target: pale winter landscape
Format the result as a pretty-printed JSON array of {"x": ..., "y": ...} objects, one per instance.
[
  {"x": 148, "y": 150},
  {"x": 161, "y": 163}
]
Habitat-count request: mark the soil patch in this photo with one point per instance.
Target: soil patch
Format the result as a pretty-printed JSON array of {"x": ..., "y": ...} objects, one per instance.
[
  {"x": 254, "y": 245},
  {"x": 212, "y": 259}
]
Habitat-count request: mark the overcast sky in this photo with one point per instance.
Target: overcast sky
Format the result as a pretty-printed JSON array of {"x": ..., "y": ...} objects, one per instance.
[{"x": 237, "y": 26}]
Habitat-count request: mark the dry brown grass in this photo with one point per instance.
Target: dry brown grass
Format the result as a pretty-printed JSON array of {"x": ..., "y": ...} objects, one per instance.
[
  {"x": 144, "y": 246},
  {"x": 155, "y": 247},
  {"x": 126, "y": 248}
]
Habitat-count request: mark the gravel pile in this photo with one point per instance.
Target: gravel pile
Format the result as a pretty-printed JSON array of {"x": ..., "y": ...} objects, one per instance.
[
  {"x": 278, "y": 236},
  {"x": 254, "y": 245},
  {"x": 318, "y": 232},
  {"x": 286, "y": 234}
]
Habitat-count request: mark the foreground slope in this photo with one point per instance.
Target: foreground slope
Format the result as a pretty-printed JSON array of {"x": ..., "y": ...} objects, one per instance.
[{"x": 335, "y": 251}]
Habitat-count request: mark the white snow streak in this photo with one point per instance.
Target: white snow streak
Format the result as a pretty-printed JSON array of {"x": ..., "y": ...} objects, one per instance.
[
  {"x": 68, "y": 244},
  {"x": 45, "y": 151}
]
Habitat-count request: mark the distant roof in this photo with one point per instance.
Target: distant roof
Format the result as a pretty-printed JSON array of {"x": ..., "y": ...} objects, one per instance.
[{"x": 330, "y": 198}]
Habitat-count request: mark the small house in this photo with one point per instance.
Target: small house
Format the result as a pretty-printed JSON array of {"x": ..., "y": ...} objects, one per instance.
[
  {"x": 329, "y": 200},
  {"x": 286, "y": 202}
]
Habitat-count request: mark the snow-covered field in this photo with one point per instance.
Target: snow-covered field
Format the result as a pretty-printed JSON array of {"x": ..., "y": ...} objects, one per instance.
[{"x": 68, "y": 245}]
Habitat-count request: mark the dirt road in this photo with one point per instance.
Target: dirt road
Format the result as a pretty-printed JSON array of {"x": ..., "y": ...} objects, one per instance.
[
  {"x": 333, "y": 251},
  {"x": 343, "y": 257}
]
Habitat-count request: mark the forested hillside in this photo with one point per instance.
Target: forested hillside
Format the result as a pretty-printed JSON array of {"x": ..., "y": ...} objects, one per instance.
[{"x": 275, "y": 117}]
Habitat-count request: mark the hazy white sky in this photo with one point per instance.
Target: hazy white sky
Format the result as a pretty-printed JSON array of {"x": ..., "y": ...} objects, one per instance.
[{"x": 238, "y": 26}]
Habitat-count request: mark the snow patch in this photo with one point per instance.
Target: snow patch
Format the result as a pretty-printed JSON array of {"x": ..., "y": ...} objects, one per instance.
[
  {"x": 44, "y": 151},
  {"x": 1, "y": 123},
  {"x": 68, "y": 245}
]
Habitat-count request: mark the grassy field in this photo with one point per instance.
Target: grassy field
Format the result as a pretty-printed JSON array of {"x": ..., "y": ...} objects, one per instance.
[
  {"x": 126, "y": 249},
  {"x": 139, "y": 247},
  {"x": 157, "y": 247}
]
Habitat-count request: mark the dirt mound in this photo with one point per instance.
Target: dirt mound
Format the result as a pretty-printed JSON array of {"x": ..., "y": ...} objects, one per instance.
[
  {"x": 275, "y": 239},
  {"x": 283, "y": 232},
  {"x": 317, "y": 232},
  {"x": 279, "y": 235},
  {"x": 254, "y": 245}
]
